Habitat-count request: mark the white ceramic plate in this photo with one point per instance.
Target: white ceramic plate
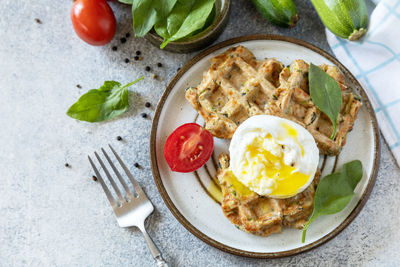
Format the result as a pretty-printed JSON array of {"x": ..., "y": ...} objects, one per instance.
[{"x": 185, "y": 194}]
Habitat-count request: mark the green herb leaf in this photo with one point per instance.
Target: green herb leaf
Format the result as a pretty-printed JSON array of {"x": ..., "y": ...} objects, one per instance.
[
  {"x": 195, "y": 20},
  {"x": 148, "y": 12},
  {"x": 107, "y": 102},
  {"x": 167, "y": 28},
  {"x": 335, "y": 191},
  {"x": 325, "y": 93}
]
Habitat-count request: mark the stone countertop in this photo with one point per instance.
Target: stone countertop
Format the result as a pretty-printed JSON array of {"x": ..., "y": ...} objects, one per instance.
[{"x": 54, "y": 215}]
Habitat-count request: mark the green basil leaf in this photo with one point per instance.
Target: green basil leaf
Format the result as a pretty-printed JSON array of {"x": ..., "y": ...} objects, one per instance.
[
  {"x": 195, "y": 20},
  {"x": 325, "y": 93},
  {"x": 107, "y": 102},
  {"x": 167, "y": 28},
  {"x": 335, "y": 191},
  {"x": 147, "y": 12}
]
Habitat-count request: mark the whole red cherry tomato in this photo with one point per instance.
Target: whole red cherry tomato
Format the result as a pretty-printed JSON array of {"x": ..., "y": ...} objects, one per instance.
[
  {"x": 188, "y": 148},
  {"x": 93, "y": 21}
]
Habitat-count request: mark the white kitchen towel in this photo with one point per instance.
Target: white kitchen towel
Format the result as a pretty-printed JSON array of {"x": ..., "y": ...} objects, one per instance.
[{"x": 375, "y": 61}]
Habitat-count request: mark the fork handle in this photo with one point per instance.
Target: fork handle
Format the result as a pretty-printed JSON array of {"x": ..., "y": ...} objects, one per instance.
[{"x": 153, "y": 248}]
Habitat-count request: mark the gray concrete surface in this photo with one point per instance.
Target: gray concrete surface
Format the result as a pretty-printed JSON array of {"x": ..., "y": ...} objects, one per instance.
[{"x": 57, "y": 216}]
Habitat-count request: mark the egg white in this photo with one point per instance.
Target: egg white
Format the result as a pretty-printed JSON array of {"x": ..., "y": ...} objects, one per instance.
[{"x": 283, "y": 139}]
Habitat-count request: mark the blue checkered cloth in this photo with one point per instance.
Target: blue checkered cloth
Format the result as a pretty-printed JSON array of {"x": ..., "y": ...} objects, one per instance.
[{"x": 375, "y": 61}]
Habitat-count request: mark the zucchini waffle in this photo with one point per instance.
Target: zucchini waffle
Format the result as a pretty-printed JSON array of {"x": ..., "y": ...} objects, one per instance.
[
  {"x": 237, "y": 86},
  {"x": 259, "y": 215}
]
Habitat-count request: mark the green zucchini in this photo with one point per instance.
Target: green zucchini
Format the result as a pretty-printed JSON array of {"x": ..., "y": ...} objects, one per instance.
[
  {"x": 280, "y": 12},
  {"x": 347, "y": 19}
]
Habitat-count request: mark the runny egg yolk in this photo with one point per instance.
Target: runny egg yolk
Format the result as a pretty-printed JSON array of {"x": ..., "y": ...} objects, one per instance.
[
  {"x": 266, "y": 168},
  {"x": 291, "y": 132}
]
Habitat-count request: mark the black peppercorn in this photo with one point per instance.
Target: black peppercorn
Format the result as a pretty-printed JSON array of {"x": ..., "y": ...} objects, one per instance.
[
  {"x": 126, "y": 60},
  {"x": 94, "y": 178},
  {"x": 159, "y": 65},
  {"x": 67, "y": 165},
  {"x": 119, "y": 138},
  {"x": 38, "y": 21},
  {"x": 144, "y": 115},
  {"x": 114, "y": 48},
  {"x": 128, "y": 35},
  {"x": 136, "y": 57},
  {"x": 138, "y": 53},
  {"x": 147, "y": 105},
  {"x": 79, "y": 86},
  {"x": 136, "y": 165},
  {"x": 123, "y": 40},
  {"x": 147, "y": 68}
]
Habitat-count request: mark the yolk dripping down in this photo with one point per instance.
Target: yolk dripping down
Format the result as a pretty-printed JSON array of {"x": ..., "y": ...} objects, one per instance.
[{"x": 265, "y": 167}]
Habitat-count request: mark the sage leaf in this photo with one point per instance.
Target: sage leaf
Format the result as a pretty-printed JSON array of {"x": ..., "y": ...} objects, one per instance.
[
  {"x": 326, "y": 94},
  {"x": 335, "y": 191},
  {"x": 195, "y": 20},
  {"x": 148, "y": 12},
  {"x": 107, "y": 102}
]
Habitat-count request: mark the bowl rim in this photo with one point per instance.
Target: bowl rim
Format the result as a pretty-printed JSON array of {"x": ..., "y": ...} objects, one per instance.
[
  {"x": 217, "y": 23},
  {"x": 205, "y": 238}
]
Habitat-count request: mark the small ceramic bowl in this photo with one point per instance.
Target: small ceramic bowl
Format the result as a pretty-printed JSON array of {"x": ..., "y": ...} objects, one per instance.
[{"x": 200, "y": 40}]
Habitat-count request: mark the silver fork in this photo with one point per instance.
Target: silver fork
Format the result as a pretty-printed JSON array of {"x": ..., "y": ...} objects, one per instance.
[{"x": 131, "y": 209}]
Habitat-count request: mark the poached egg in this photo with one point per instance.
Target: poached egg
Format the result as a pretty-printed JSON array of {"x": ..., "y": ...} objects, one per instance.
[{"x": 273, "y": 157}]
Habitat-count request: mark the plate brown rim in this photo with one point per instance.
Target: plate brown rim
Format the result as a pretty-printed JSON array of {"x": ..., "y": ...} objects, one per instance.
[{"x": 209, "y": 240}]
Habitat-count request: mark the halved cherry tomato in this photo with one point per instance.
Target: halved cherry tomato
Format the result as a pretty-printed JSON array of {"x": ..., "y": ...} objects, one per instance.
[
  {"x": 93, "y": 21},
  {"x": 188, "y": 148}
]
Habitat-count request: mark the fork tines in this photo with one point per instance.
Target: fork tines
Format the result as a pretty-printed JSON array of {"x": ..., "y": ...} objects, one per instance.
[{"x": 129, "y": 194}]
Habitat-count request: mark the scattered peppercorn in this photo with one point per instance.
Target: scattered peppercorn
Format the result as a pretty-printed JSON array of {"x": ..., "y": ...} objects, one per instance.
[
  {"x": 136, "y": 165},
  {"x": 147, "y": 105},
  {"x": 155, "y": 76},
  {"x": 138, "y": 53},
  {"x": 144, "y": 115},
  {"x": 114, "y": 48},
  {"x": 38, "y": 21},
  {"x": 178, "y": 69},
  {"x": 123, "y": 40},
  {"x": 126, "y": 60},
  {"x": 79, "y": 86},
  {"x": 136, "y": 57},
  {"x": 67, "y": 165},
  {"x": 119, "y": 138},
  {"x": 94, "y": 178},
  {"x": 159, "y": 65},
  {"x": 128, "y": 35},
  {"x": 147, "y": 68}
]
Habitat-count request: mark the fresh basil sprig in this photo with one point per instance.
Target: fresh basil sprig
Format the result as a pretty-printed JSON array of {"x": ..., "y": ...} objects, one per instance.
[
  {"x": 335, "y": 191},
  {"x": 172, "y": 19},
  {"x": 107, "y": 102},
  {"x": 325, "y": 93},
  {"x": 182, "y": 21},
  {"x": 148, "y": 12}
]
